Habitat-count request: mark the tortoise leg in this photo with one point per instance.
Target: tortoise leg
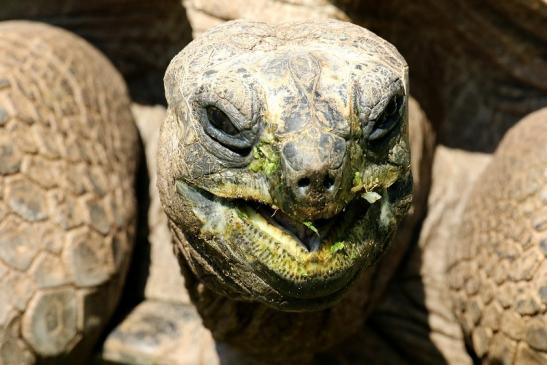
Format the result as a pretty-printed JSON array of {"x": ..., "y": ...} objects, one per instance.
[
  {"x": 498, "y": 270},
  {"x": 160, "y": 332},
  {"x": 67, "y": 144}
]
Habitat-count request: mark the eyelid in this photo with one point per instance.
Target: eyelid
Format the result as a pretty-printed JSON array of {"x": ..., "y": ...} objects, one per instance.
[
  {"x": 213, "y": 112},
  {"x": 240, "y": 120},
  {"x": 235, "y": 148},
  {"x": 244, "y": 137},
  {"x": 375, "y": 131}
]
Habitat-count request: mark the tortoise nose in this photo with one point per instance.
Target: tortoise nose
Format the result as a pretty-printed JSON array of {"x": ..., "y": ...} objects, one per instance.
[
  {"x": 312, "y": 170},
  {"x": 322, "y": 183}
]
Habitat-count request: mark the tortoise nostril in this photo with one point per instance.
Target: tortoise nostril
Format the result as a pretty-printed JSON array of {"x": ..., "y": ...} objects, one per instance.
[
  {"x": 328, "y": 182},
  {"x": 303, "y": 182}
]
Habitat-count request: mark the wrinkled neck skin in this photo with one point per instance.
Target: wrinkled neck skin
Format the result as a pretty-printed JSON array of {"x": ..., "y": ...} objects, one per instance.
[
  {"x": 271, "y": 336},
  {"x": 258, "y": 332}
]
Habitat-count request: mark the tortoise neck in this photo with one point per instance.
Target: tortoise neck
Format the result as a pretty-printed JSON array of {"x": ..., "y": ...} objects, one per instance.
[{"x": 267, "y": 334}]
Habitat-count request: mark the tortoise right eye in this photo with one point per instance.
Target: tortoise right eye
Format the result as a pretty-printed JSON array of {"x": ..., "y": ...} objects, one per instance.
[
  {"x": 220, "y": 120},
  {"x": 219, "y": 126}
]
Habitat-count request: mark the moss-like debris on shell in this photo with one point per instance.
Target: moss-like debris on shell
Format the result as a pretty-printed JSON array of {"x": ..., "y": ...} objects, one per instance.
[{"x": 266, "y": 160}]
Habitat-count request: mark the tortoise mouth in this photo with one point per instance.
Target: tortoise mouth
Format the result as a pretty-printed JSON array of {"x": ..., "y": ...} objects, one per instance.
[
  {"x": 309, "y": 234},
  {"x": 308, "y": 264}
]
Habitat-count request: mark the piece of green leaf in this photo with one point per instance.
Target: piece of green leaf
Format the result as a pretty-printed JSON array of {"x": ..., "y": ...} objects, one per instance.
[
  {"x": 265, "y": 159},
  {"x": 337, "y": 246},
  {"x": 269, "y": 168},
  {"x": 312, "y": 227},
  {"x": 241, "y": 214},
  {"x": 357, "y": 180}
]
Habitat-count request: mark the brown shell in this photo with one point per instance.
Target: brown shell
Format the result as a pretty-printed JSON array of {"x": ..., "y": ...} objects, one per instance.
[{"x": 67, "y": 209}]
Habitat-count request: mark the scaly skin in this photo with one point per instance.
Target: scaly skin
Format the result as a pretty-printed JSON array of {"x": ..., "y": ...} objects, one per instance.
[
  {"x": 67, "y": 208},
  {"x": 138, "y": 36},
  {"x": 498, "y": 271},
  {"x": 301, "y": 138}
]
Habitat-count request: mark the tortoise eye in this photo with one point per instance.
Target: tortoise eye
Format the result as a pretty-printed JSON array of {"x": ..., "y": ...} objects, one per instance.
[
  {"x": 392, "y": 107},
  {"x": 220, "y": 120},
  {"x": 389, "y": 118},
  {"x": 219, "y": 126}
]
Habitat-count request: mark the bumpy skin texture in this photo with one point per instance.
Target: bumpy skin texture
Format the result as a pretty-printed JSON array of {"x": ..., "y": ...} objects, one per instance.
[
  {"x": 67, "y": 147},
  {"x": 320, "y": 113},
  {"x": 413, "y": 324},
  {"x": 139, "y": 37},
  {"x": 498, "y": 273}
]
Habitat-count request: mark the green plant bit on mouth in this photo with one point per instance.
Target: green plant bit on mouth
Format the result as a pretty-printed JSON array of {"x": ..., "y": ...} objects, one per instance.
[
  {"x": 368, "y": 184},
  {"x": 369, "y": 195},
  {"x": 357, "y": 180},
  {"x": 241, "y": 214},
  {"x": 265, "y": 159},
  {"x": 312, "y": 227},
  {"x": 359, "y": 184},
  {"x": 337, "y": 246}
]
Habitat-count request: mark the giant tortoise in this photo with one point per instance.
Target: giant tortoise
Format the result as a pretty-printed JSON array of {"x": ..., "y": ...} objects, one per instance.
[{"x": 284, "y": 171}]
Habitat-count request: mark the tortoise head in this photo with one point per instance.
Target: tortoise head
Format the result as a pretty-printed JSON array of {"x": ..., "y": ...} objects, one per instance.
[{"x": 284, "y": 159}]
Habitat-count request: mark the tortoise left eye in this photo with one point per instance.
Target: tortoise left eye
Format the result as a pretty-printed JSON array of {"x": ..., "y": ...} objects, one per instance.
[{"x": 389, "y": 118}]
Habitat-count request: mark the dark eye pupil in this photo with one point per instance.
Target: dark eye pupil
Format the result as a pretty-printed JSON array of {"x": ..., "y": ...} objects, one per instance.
[
  {"x": 221, "y": 121},
  {"x": 388, "y": 119},
  {"x": 392, "y": 106}
]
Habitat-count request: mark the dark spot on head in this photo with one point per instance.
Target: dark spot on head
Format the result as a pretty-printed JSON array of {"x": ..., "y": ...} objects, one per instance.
[
  {"x": 324, "y": 141},
  {"x": 294, "y": 121},
  {"x": 209, "y": 72},
  {"x": 289, "y": 151},
  {"x": 332, "y": 149}
]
